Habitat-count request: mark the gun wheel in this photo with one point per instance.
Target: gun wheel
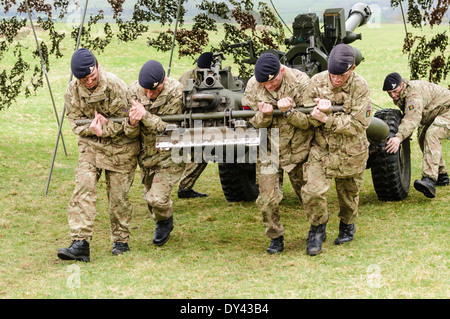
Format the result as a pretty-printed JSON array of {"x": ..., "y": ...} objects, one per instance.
[
  {"x": 238, "y": 182},
  {"x": 391, "y": 173}
]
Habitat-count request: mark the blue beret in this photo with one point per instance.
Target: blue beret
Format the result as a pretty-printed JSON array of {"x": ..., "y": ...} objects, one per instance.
[
  {"x": 83, "y": 63},
  {"x": 267, "y": 67},
  {"x": 204, "y": 61},
  {"x": 151, "y": 75},
  {"x": 392, "y": 81},
  {"x": 341, "y": 59}
]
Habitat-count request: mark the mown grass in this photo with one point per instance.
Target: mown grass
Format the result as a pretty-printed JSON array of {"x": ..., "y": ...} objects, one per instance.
[{"x": 217, "y": 249}]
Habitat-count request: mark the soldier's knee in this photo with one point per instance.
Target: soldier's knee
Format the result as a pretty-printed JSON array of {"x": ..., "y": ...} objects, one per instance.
[{"x": 159, "y": 202}]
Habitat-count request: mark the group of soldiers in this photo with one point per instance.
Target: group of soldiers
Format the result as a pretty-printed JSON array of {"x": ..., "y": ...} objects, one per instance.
[{"x": 312, "y": 148}]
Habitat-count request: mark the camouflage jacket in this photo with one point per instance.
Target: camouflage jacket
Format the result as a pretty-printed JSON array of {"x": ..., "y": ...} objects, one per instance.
[
  {"x": 118, "y": 147},
  {"x": 341, "y": 143},
  {"x": 168, "y": 102},
  {"x": 420, "y": 102},
  {"x": 294, "y": 130},
  {"x": 184, "y": 78}
]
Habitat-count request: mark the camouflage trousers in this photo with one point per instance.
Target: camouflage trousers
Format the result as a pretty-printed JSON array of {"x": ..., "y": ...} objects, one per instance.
[
  {"x": 270, "y": 182},
  {"x": 158, "y": 182},
  {"x": 430, "y": 142},
  {"x": 191, "y": 175},
  {"x": 316, "y": 187},
  {"x": 82, "y": 210}
]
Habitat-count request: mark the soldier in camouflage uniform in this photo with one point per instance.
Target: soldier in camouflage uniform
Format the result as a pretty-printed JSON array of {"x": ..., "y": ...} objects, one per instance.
[
  {"x": 426, "y": 106},
  {"x": 193, "y": 169},
  {"x": 103, "y": 146},
  {"x": 340, "y": 147},
  {"x": 277, "y": 86},
  {"x": 151, "y": 95}
]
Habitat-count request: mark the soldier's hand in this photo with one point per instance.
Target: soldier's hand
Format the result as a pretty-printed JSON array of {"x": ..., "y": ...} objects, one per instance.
[
  {"x": 393, "y": 144},
  {"x": 317, "y": 114},
  {"x": 285, "y": 104},
  {"x": 96, "y": 126},
  {"x": 103, "y": 120},
  {"x": 324, "y": 105},
  {"x": 265, "y": 108},
  {"x": 137, "y": 112}
]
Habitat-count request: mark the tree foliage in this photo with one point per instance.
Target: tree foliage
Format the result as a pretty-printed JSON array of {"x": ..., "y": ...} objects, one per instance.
[
  {"x": 427, "y": 58},
  {"x": 241, "y": 19}
]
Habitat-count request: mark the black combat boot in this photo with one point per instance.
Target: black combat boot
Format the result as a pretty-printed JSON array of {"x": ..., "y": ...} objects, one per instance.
[
  {"x": 276, "y": 245},
  {"x": 316, "y": 236},
  {"x": 162, "y": 231},
  {"x": 120, "y": 248},
  {"x": 442, "y": 180},
  {"x": 346, "y": 232},
  {"x": 427, "y": 186},
  {"x": 190, "y": 193},
  {"x": 79, "y": 250}
]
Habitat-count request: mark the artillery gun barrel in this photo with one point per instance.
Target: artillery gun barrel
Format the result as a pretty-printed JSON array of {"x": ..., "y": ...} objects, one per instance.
[{"x": 358, "y": 16}]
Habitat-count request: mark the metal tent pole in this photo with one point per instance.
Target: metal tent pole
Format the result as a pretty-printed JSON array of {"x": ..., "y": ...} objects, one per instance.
[
  {"x": 64, "y": 109},
  {"x": 45, "y": 71},
  {"x": 174, "y": 35}
]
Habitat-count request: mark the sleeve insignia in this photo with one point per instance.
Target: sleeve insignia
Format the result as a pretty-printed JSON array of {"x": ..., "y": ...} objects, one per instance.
[{"x": 368, "y": 110}]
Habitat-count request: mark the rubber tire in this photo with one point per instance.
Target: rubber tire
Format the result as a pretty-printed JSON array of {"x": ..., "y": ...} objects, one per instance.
[
  {"x": 391, "y": 173},
  {"x": 238, "y": 182}
]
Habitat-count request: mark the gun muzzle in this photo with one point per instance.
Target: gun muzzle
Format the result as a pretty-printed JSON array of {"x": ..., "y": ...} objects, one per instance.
[{"x": 358, "y": 16}]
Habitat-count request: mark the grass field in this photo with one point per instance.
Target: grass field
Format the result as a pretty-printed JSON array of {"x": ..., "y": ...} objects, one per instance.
[{"x": 217, "y": 249}]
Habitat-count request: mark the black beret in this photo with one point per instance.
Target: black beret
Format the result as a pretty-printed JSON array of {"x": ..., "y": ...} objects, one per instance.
[
  {"x": 392, "y": 81},
  {"x": 204, "y": 61},
  {"x": 83, "y": 63},
  {"x": 341, "y": 59},
  {"x": 267, "y": 67},
  {"x": 151, "y": 75}
]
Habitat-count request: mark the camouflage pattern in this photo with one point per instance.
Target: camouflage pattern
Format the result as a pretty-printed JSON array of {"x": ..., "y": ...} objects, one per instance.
[
  {"x": 159, "y": 173},
  {"x": 193, "y": 170},
  {"x": 426, "y": 106},
  {"x": 191, "y": 175},
  {"x": 339, "y": 149},
  {"x": 272, "y": 187},
  {"x": 118, "y": 146},
  {"x": 294, "y": 130},
  {"x": 158, "y": 182},
  {"x": 293, "y": 144},
  {"x": 191, "y": 74},
  {"x": 168, "y": 102},
  {"x": 115, "y": 152},
  {"x": 81, "y": 211},
  {"x": 430, "y": 141}
]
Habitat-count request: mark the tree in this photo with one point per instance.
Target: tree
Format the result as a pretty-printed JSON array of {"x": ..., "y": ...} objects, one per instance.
[
  {"x": 190, "y": 42},
  {"x": 426, "y": 56}
]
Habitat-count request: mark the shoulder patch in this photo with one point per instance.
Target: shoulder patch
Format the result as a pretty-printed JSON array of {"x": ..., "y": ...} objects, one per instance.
[{"x": 368, "y": 110}]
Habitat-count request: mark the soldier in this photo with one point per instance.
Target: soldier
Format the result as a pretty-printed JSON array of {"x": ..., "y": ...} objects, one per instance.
[
  {"x": 151, "y": 95},
  {"x": 339, "y": 149},
  {"x": 426, "y": 106},
  {"x": 276, "y": 86},
  {"x": 193, "y": 170},
  {"x": 103, "y": 145}
]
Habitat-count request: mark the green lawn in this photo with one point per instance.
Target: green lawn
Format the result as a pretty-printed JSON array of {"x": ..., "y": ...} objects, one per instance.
[{"x": 217, "y": 249}]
